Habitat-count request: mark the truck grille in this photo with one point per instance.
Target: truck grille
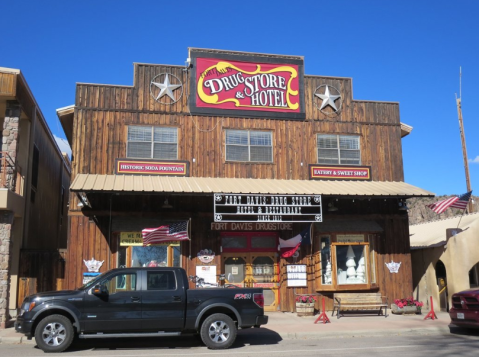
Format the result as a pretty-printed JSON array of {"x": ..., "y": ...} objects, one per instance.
[{"x": 465, "y": 302}]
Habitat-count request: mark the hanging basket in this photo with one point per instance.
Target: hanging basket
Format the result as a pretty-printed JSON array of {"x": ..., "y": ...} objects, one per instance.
[{"x": 305, "y": 309}]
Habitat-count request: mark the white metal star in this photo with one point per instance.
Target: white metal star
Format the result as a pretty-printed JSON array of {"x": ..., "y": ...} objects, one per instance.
[
  {"x": 166, "y": 88},
  {"x": 328, "y": 99}
]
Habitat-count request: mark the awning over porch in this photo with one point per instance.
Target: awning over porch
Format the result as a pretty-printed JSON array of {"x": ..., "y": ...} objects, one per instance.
[{"x": 202, "y": 185}]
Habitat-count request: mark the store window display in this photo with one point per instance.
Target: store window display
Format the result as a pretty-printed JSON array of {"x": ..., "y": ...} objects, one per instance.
[
  {"x": 344, "y": 260},
  {"x": 150, "y": 256}
]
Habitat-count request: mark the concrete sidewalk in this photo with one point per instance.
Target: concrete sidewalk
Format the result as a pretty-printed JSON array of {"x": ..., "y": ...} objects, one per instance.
[{"x": 289, "y": 326}]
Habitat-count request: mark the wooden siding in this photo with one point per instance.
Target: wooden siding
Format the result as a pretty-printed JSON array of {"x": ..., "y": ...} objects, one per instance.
[
  {"x": 45, "y": 229},
  {"x": 103, "y": 113},
  {"x": 8, "y": 83},
  {"x": 39, "y": 271}
]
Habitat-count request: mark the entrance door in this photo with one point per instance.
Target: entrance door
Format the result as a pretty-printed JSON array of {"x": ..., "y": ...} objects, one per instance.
[
  {"x": 254, "y": 270},
  {"x": 132, "y": 253},
  {"x": 442, "y": 286}
]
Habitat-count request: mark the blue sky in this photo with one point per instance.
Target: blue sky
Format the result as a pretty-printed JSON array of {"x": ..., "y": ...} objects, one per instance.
[{"x": 401, "y": 51}]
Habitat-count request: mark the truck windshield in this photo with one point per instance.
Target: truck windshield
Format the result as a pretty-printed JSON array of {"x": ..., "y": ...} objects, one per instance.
[{"x": 90, "y": 283}]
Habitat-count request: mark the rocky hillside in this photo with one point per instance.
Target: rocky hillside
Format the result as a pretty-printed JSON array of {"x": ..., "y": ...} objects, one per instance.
[{"x": 418, "y": 212}]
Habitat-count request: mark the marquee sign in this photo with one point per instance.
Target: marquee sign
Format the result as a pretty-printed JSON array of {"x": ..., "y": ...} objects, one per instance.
[
  {"x": 152, "y": 167},
  {"x": 246, "y": 85},
  {"x": 267, "y": 208},
  {"x": 339, "y": 172}
]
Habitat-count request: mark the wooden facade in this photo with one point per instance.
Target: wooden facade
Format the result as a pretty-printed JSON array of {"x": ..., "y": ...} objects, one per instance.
[{"x": 99, "y": 124}]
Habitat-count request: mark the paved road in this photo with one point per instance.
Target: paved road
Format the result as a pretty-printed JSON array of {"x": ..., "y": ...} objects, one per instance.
[{"x": 459, "y": 343}]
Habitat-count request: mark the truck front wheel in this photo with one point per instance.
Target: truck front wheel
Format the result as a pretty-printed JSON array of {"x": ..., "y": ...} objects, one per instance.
[
  {"x": 54, "y": 333},
  {"x": 218, "y": 331}
]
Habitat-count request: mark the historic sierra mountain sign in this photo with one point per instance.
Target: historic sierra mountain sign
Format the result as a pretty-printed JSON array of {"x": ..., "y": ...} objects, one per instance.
[{"x": 246, "y": 85}]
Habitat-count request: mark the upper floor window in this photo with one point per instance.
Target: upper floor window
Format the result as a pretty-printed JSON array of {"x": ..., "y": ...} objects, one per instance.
[
  {"x": 152, "y": 142},
  {"x": 338, "y": 149},
  {"x": 245, "y": 145}
]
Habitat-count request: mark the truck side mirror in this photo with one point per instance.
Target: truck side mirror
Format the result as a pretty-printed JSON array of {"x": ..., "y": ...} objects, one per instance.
[{"x": 99, "y": 289}]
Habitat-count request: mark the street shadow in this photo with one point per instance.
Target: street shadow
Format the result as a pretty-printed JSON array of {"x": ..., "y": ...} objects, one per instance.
[
  {"x": 245, "y": 337},
  {"x": 462, "y": 331}
]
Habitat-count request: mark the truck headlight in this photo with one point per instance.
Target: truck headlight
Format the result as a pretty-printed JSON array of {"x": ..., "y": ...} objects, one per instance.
[{"x": 27, "y": 306}]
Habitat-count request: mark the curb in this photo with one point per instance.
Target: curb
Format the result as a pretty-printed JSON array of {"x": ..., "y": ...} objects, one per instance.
[
  {"x": 313, "y": 335},
  {"x": 362, "y": 333},
  {"x": 16, "y": 340}
]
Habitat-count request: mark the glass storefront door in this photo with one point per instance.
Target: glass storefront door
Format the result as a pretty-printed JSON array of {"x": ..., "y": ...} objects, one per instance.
[
  {"x": 254, "y": 270},
  {"x": 131, "y": 252}
]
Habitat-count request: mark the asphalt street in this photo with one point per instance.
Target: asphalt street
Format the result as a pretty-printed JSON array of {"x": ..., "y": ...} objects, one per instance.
[{"x": 459, "y": 343}]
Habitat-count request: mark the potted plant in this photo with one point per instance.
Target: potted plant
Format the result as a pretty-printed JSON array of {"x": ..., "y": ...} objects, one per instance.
[
  {"x": 305, "y": 305},
  {"x": 406, "y": 306}
]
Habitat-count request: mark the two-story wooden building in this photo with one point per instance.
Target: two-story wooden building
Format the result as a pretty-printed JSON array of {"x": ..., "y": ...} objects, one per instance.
[
  {"x": 34, "y": 186},
  {"x": 247, "y": 150}
]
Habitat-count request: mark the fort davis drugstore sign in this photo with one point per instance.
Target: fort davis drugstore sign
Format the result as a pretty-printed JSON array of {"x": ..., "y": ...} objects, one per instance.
[{"x": 247, "y": 85}]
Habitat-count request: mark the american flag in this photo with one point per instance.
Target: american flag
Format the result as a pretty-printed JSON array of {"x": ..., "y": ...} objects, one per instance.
[
  {"x": 171, "y": 232},
  {"x": 459, "y": 202}
]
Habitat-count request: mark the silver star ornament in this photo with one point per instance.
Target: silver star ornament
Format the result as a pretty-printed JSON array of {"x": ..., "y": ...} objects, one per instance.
[
  {"x": 166, "y": 88},
  {"x": 328, "y": 99}
]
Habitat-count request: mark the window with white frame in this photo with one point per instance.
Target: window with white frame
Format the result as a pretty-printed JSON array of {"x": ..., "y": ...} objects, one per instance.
[
  {"x": 152, "y": 142},
  {"x": 344, "y": 260},
  {"x": 251, "y": 146},
  {"x": 338, "y": 149}
]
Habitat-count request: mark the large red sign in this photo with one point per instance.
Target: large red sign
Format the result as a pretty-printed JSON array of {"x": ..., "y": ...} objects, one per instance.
[
  {"x": 338, "y": 172},
  {"x": 226, "y": 86}
]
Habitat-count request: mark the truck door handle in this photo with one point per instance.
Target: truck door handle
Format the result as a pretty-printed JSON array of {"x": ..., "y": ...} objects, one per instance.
[
  {"x": 177, "y": 298},
  {"x": 135, "y": 299}
]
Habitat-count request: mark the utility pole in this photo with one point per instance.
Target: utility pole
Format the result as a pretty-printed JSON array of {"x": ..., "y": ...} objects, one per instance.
[{"x": 463, "y": 141}]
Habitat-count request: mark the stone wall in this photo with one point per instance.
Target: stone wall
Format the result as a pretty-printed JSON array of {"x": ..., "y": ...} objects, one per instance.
[
  {"x": 10, "y": 140},
  {"x": 6, "y": 221},
  {"x": 10, "y": 146}
]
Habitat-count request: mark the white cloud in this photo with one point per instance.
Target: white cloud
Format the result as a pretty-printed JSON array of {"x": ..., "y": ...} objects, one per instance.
[
  {"x": 63, "y": 145},
  {"x": 474, "y": 161}
]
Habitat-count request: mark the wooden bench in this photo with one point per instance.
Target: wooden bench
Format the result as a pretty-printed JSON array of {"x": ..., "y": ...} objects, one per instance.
[{"x": 360, "y": 302}]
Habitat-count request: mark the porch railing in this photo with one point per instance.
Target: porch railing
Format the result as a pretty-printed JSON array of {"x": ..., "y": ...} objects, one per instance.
[{"x": 10, "y": 174}]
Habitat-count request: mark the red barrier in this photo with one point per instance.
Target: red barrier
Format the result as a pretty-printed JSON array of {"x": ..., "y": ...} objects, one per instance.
[
  {"x": 323, "y": 317},
  {"x": 431, "y": 313}
]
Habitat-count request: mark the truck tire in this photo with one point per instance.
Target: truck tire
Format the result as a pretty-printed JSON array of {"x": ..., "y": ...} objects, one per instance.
[
  {"x": 218, "y": 332},
  {"x": 54, "y": 333}
]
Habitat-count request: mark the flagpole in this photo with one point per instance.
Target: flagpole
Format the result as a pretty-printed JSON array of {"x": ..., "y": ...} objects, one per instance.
[
  {"x": 463, "y": 140},
  {"x": 189, "y": 236},
  {"x": 463, "y": 211}
]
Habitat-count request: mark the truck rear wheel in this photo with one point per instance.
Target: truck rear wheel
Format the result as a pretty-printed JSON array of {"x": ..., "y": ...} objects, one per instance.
[
  {"x": 54, "y": 333},
  {"x": 218, "y": 331}
]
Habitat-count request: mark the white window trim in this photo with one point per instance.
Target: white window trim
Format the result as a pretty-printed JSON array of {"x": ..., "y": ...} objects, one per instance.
[
  {"x": 152, "y": 142},
  {"x": 249, "y": 145},
  {"x": 338, "y": 148}
]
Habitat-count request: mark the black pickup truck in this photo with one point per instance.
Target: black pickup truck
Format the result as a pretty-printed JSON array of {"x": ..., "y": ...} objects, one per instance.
[{"x": 140, "y": 302}]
